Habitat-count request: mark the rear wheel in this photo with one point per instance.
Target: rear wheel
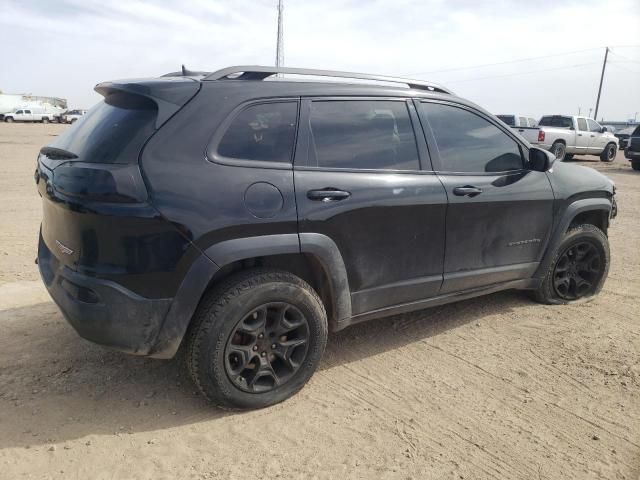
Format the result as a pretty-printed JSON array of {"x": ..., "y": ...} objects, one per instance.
[
  {"x": 256, "y": 339},
  {"x": 635, "y": 164},
  {"x": 559, "y": 149},
  {"x": 579, "y": 267},
  {"x": 609, "y": 153}
]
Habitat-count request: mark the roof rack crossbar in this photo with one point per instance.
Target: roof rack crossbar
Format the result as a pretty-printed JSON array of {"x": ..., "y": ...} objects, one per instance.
[{"x": 255, "y": 72}]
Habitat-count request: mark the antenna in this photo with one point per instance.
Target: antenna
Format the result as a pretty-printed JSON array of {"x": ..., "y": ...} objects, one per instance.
[{"x": 280, "y": 43}]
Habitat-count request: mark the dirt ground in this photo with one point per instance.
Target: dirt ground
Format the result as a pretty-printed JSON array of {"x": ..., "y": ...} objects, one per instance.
[{"x": 495, "y": 387}]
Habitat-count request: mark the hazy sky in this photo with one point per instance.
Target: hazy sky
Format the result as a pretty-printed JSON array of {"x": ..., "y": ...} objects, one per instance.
[{"x": 63, "y": 48}]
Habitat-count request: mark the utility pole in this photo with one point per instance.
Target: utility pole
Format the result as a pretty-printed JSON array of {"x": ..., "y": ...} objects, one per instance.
[
  {"x": 280, "y": 44},
  {"x": 579, "y": 111},
  {"x": 604, "y": 65}
]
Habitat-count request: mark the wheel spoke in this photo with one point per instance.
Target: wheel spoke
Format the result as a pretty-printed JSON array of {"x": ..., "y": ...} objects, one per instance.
[{"x": 267, "y": 347}]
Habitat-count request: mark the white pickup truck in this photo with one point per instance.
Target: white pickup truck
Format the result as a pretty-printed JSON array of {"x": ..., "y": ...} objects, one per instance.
[
  {"x": 525, "y": 126},
  {"x": 30, "y": 115},
  {"x": 566, "y": 136}
]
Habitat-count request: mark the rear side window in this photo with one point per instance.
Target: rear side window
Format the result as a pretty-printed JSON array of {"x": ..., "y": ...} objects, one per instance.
[
  {"x": 532, "y": 122},
  {"x": 113, "y": 131},
  {"x": 582, "y": 124},
  {"x": 556, "y": 121},
  {"x": 362, "y": 134},
  {"x": 262, "y": 132},
  {"x": 468, "y": 143}
]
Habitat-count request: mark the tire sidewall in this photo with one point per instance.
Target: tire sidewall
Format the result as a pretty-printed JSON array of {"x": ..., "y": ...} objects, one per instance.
[
  {"x": 213, "y": 344},
  {"x": 605, "y": 154},
  {"x": 583, "y": 232},
  {"x": 561, "y": 145}
]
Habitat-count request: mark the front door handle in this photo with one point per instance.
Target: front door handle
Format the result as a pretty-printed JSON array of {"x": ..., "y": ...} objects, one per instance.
[
  {"x": 327, "y": 195},
  {"x": 467, "y": 191}
]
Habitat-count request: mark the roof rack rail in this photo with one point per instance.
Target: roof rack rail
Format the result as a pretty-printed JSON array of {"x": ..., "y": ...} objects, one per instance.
[{"x": 256, "y": 72}]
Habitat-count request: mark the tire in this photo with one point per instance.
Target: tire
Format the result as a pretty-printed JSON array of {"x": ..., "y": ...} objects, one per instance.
[
  {"x": 568, "y": 156},
  {"x": 73, "y": 120},
  {"x": 269, "y": 312},
  {"x": 45, "y": 120},
  {"x": 8, "y": 119},
  {"x": 635, "y": 164},
  {"x": 559, "y": 149},
  {"x": 562, "y": 283},
  {"x": 609, "y": 153}
]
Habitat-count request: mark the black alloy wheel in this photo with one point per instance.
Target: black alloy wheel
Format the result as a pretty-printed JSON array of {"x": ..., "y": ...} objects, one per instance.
[
  {"x": 267, "y": 347},
  {"x": 578, "y": 271}
]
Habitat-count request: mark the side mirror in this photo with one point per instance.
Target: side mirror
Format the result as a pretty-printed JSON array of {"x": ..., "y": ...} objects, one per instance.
[
  {"x": 603, "y": 129},
  {"x": 540, "y": 160}
]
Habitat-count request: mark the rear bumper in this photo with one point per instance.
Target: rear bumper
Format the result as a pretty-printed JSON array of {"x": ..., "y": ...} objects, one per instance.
[{"x": 100, "y": 310}]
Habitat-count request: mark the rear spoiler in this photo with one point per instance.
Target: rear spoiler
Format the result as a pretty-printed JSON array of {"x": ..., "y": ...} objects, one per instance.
[{"x": 170, "y": 94}]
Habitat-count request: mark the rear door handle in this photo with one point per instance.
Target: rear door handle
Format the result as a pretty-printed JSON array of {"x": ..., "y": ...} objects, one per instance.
[
  {"x": 521, "y": 129},
  {"x": 467, "y": 190},
  {"x": 327, "y": 194}
]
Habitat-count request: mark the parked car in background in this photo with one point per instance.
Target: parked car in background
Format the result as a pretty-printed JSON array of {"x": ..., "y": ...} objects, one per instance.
[
  {"x": 72, "y": 116},
  {"x": 246, "y": 218},
  {"x": 30, "y": 115},
  {"x": 632, "y": 149},
  {"x": 567, "y": 135},
  {"x": 518, "y": 120},
  {"x": 623, "y": 136},
  {"x": 525, "y": 126}
]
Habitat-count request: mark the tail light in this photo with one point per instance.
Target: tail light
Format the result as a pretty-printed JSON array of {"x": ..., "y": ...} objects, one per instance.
[{"x": 541, "y": 135}]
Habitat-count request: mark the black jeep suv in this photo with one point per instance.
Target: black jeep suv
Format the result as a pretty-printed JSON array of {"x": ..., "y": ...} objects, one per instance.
[{"x": 245, "y": 214}]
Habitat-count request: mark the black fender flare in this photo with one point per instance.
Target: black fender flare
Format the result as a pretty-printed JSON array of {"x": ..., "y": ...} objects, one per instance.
[
  {"x": 575, "y": 208},
  {"x": 203, "y": 269}
]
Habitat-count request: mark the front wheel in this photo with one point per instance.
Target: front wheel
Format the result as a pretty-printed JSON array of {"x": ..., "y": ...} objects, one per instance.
[
  {"x": 609, "y": 153},
  {"x": 559, "y": 149},
  {"x": 8, "y": 119},
  {"x": 256, "y": 339},
  {"x": 45, "y": 120},
  {"x": 579, "y": 268}
]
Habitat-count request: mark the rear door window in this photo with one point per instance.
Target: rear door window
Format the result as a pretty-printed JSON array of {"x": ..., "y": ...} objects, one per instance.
[
  {"x": 362, "y": 134},
  {"x": 262, "y": 132},
  {"x": 469, "y": 143},
  {"x": 113, "y": 131},
  {"x": 523, "y": 122}
]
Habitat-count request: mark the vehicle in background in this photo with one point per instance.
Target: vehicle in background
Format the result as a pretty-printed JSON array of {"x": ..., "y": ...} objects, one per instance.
[
  {"x": 567, "y": 135},
  {"x": 632, "y": 150},
  {"x": 31, "y": 115},
  {"x": 518, "y": 120},
  {"x": 72, "y": 116},
  {"x": 525, "y": 126},
  {"x": 623, "y": 136}
]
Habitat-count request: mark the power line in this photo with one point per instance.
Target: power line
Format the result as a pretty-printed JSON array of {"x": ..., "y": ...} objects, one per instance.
[
  {"x": 617, "y": 65},
  {"x": 524, "y": 73},
  {"x": 505, "y": 62},
  {"x": 626, "y": 58}
]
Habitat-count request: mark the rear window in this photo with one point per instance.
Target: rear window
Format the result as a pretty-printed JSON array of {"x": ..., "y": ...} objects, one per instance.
[
  {"x": 508, "y": 119},
  {"x": 556, "y": 121},
  {"x": 113, "y": 131}
]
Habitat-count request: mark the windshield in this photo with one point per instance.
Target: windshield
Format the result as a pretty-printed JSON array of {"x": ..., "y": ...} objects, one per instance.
[
  {"x": 556, "y": 121},
  {"x": 111, "y": 132},
  {"x": 508, "y": 119}
]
